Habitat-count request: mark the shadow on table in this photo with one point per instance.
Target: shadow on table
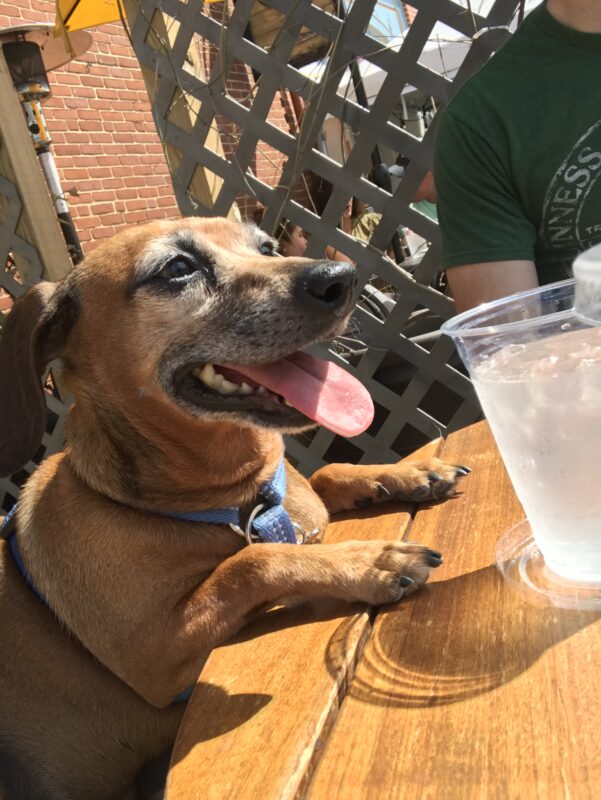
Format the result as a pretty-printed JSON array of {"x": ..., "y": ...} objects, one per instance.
[
  {"x": 454, "y": 640},
  {"x": 305, "y": 612},
  {"x": 216, "y": 714},
  {"x": 215, "y": 711}
]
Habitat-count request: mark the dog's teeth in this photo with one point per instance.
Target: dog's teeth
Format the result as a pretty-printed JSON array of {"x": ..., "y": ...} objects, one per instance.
[
  {"x": 207, "y": 374},
  {"x": 217, "y": 381},
  {"x": 261, "y": 390},
  {"x": 227, "y": 387},
  {"x": 286, "y": 403}
]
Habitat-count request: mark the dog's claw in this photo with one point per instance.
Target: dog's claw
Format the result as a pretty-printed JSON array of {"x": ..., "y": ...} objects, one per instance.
[
  {"x": 436, "y": 483},
  {"x": 404, "y": 581}
]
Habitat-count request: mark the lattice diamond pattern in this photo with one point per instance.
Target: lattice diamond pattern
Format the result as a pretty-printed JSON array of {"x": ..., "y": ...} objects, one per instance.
[{"x": 412, "y": 373}]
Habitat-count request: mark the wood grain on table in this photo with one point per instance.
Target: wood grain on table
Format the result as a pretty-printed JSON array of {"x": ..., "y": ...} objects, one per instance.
[{"x": 465, "y": 690}]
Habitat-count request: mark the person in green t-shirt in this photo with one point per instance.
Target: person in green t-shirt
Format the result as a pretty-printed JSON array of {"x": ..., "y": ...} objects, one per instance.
[{"x": 518, "y": 158}]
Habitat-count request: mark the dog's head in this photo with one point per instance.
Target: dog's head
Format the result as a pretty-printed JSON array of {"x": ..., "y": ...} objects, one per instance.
[{"x": 195, "y": 317}]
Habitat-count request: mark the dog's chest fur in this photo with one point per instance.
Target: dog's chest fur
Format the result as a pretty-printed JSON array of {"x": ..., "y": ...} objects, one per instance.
[
  {"x": 58, "y": 726},
  {"x": 61, "y": 702}
]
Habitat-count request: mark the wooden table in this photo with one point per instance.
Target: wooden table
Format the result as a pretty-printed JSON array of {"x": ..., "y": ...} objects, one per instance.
[{"x": 462, "y": 691}]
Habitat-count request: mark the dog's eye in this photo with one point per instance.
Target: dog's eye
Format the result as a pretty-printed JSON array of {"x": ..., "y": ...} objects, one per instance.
[
  {"x": 177, "y": 269},
  {"x": 268, "y": 249}
]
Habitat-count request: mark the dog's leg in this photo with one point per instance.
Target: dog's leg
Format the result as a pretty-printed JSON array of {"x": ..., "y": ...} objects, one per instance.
[
  {"x": 346, "y": 486},
  {"x": 258, "y": 576}
]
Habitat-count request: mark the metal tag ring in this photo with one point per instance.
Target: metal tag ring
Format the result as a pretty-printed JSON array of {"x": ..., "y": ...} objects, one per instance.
[
  {"x": 304, "y": 537},
  {"x": 248, "y": 531},
  {"x": 301, "y": 530}
]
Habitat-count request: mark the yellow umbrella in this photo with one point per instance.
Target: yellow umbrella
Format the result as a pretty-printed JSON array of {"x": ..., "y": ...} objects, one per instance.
[{"x": 73, "y": 15}]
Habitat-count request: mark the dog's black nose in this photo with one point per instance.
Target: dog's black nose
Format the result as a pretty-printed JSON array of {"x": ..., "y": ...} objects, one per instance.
[{"x": 326, "y": 287}]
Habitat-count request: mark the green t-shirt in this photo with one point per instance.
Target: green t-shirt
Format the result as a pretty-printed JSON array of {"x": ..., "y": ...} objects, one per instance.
[{"x": 518, "y": 153}]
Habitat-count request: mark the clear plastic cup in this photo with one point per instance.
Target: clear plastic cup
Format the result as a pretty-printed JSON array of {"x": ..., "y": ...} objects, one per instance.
[{"x": 536, "y": 367}]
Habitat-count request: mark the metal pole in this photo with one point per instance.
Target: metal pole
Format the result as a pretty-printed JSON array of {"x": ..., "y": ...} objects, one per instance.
[
  {"x": 60, "y": 204},
  {"x": 40, "y": 135}
]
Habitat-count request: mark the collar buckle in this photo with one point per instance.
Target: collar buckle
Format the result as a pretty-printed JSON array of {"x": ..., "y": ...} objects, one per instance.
[{"x": 251, "y": 538}]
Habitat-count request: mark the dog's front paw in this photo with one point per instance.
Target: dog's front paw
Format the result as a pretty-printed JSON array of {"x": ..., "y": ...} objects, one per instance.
[
  {"x": 420, "y": 481},
  {"x": 345, "y": 486},
  {"x": 384, "y": 572}
]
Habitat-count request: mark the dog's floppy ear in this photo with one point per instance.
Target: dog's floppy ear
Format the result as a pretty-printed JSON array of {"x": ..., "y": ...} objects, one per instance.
[{"x": 31, "y": 337}]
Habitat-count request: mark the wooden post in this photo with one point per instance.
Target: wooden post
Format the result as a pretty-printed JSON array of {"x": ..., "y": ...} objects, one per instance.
[{"x": 37, "y": 223}]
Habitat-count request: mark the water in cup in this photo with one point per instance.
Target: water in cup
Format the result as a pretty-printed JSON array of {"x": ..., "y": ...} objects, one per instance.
[
  {"x": 535, "y": 360},
  {"x": 543, "y": 402}
]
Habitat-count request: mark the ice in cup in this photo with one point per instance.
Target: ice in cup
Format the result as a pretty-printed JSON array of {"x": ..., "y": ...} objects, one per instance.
[{"x": 535, "y": 362}]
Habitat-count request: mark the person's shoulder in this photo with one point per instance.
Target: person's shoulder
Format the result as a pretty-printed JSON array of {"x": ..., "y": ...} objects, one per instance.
[
  {"x": 370, "y": 217},
  {"x": 367, "y": 218},
  {"x": 491, "y": 83}
]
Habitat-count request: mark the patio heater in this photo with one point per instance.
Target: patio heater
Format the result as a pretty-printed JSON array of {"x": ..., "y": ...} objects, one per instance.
[{"x": 31, "y": 52}]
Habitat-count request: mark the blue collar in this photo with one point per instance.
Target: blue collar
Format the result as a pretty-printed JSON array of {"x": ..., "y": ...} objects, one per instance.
[
  {"x": 8, "y": 531},
  {"x": 268, "y": 522}
]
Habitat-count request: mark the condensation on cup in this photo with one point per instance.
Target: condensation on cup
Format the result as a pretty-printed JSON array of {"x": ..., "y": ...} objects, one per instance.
[{"x": 535, "y": 361}]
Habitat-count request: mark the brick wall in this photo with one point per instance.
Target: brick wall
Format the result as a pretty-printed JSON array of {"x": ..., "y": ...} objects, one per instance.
[{"x": 104, "y": 139}]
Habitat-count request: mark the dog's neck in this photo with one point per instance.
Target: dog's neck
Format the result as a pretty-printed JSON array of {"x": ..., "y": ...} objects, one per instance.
[{"x": 155, "y": 464}]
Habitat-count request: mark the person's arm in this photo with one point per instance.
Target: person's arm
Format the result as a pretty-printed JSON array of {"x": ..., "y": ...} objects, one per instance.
[
  {"x": 472, "y": 284},
  {"x": 426, "y": 190},
  {"x": 337, "y": 255}
]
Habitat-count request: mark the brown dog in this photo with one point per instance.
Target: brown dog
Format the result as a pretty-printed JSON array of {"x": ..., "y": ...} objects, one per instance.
[{"x": 137, "y": 598}]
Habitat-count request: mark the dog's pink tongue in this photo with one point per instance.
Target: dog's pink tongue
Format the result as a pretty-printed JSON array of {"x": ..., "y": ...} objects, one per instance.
[{"x": 319, "y": 389}]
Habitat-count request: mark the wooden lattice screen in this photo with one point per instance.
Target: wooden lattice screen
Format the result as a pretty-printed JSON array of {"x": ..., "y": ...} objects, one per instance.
[{"x": 410, "y": 371}]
